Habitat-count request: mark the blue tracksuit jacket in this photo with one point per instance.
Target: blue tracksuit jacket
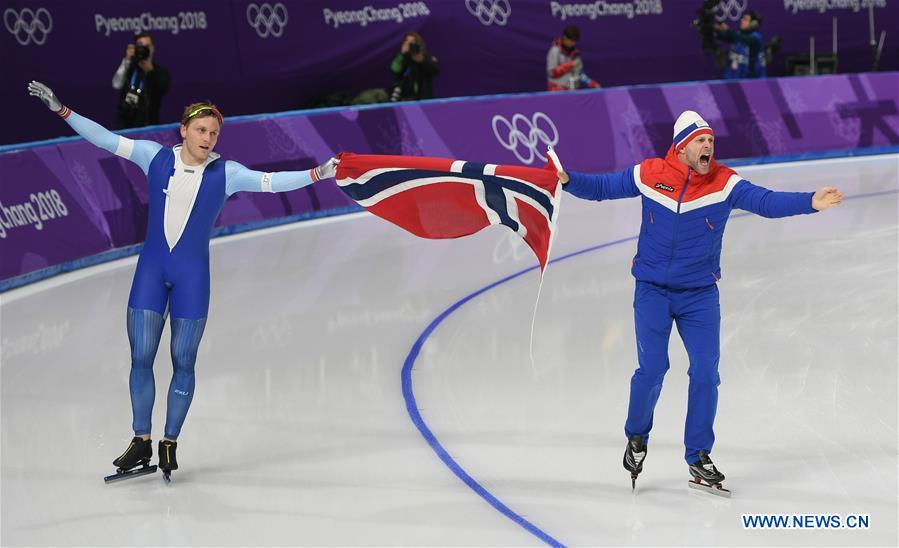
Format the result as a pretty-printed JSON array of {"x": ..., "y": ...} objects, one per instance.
[{"x": 684, "y": 214}]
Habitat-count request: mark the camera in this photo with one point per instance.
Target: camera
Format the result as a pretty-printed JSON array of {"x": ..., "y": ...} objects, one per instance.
[
  {"x": 705, "y": 24},
  {"x": 414, "y": 47},
  {"x": 141, "y": 53}
]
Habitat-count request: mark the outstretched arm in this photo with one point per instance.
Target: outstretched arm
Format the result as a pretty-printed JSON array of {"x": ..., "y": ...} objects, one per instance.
[
  {"x": 239, "y": 178},
  {"x": 771, "y": 204},
  {"x": 140, "y": 152},
  {"x": 601, "y": 186}
]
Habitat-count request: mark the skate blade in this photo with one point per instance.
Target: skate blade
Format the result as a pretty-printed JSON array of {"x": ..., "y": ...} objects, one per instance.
[
  {"x": 167, "y": 476},
  {"x": 719, "y": 491},
  {"x": 128, "y": 474}
]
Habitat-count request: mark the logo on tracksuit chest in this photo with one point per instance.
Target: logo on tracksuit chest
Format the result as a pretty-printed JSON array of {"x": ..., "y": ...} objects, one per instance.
[{"x": 665, "y": 187}]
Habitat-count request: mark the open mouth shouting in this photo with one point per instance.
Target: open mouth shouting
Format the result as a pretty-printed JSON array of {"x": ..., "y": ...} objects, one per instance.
[{"x": 705, "y": 160}]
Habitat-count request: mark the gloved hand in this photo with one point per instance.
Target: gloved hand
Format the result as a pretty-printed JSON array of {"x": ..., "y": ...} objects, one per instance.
[
  {"x": 326, "y": 170},
  {"x": 45, "y": 94},
  {"x": 593, "y": 84}
]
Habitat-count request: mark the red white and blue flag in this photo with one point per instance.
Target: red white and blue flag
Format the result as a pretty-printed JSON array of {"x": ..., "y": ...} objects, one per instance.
[{"x": 441, "y": 198}]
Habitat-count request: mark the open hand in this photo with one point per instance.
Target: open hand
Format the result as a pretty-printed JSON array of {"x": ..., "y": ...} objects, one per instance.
[
  {"x": 826, "y": 198},
  {"x": 45, "y": 94}
]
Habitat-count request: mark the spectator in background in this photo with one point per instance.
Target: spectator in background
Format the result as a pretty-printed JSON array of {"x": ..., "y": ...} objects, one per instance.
[
  {"x": 413, "y": 70},
  {"x": 564, "y": 66},
  {"x": 747, "y": 50},
  {"x": 143, "y": 83}
]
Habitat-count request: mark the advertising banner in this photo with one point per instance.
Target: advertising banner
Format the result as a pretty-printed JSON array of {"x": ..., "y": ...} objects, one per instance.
[
  {"x": 69, "y": 199},
  {"x": 254, "y": 57}
]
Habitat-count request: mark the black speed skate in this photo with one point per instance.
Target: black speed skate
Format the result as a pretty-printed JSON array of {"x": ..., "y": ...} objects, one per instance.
[
  {"x": 138, "y": 453},
  {"x": 167, "y": 460},
  {"x": 634, "y": 454},
  {"x": 706, "y": 477}
]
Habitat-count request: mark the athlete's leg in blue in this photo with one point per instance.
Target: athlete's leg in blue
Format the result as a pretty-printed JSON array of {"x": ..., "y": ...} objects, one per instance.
[
  {"x": 698, "y": 317},
  {"x": 189, "y": 306},
  {"x": 144, "y": 331},
  {"x": 186, "y": 336},
  {"x": 652, "y": 320}
]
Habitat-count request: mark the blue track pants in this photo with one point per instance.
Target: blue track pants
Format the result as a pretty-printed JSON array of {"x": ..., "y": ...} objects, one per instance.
[{"x": 698, "y": 316}]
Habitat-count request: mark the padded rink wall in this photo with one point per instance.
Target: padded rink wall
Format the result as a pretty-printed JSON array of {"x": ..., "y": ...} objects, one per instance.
[{"x": 65, "y": 204}]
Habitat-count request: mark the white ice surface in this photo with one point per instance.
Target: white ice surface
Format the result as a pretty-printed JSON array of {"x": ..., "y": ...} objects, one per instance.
[{"x": 299, "y": 434}]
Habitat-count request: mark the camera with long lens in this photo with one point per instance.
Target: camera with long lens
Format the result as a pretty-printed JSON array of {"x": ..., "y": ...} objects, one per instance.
[
  {"x": 705, "y": 24},
  {"x": 141, "y": 53},
  {"x": 414, "y": 48}
]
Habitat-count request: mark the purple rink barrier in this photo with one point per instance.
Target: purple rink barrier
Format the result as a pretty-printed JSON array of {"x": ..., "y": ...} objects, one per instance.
[
  {"x": 66, "y": 200},
  {"x": 272, "y": 56}
]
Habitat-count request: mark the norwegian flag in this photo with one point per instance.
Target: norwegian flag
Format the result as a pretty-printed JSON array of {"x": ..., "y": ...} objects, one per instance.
[{"x": 440, "y": 198}]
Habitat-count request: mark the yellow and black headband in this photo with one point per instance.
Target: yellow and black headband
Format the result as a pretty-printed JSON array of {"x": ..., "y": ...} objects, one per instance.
[{"x": 198, "y": 110}]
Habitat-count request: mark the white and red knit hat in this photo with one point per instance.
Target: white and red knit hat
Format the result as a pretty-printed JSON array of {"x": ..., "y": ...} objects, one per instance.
[{"x": 688, "y": 126}]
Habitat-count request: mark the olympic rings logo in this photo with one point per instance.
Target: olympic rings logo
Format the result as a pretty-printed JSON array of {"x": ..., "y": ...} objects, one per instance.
[
  {"x": 730, "y": 9},
  {"x": 28, "y": 26},
  {"x": 526, "y": 133},
  {"x": 267, "y": 20},
  {"x": 490, "y": 11},
  {"x": 510, "y": 246}
]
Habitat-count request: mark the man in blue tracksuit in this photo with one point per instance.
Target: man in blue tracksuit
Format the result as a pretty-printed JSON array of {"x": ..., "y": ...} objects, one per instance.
[{"x": 687, "y": 198}]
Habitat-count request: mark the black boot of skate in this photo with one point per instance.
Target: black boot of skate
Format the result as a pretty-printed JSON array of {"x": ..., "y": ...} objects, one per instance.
[
  {"x": 167, "y": 460},
  {"x": 634, "y": 454},
  {"x": 706, "y": 477},
  {"x": 138, "y": 453}
]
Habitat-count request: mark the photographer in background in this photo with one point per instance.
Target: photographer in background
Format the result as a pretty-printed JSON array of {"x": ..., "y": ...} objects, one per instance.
[
  {"x": 143, "y": 83},
  {"x": 564, "y": 66},
  {"x": 413, "y": 70},
  {"x": 747, "y": 51}
]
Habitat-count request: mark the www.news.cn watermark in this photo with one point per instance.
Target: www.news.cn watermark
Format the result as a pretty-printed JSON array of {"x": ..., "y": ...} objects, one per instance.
[{"x": 806, "y": 521}]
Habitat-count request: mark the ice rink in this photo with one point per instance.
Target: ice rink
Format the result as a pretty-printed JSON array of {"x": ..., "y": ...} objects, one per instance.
[{"x": 299, "y": 433}]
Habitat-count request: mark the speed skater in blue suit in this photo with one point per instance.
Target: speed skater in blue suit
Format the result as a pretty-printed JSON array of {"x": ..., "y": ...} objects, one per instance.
[{"x": 188, "y": 185}]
